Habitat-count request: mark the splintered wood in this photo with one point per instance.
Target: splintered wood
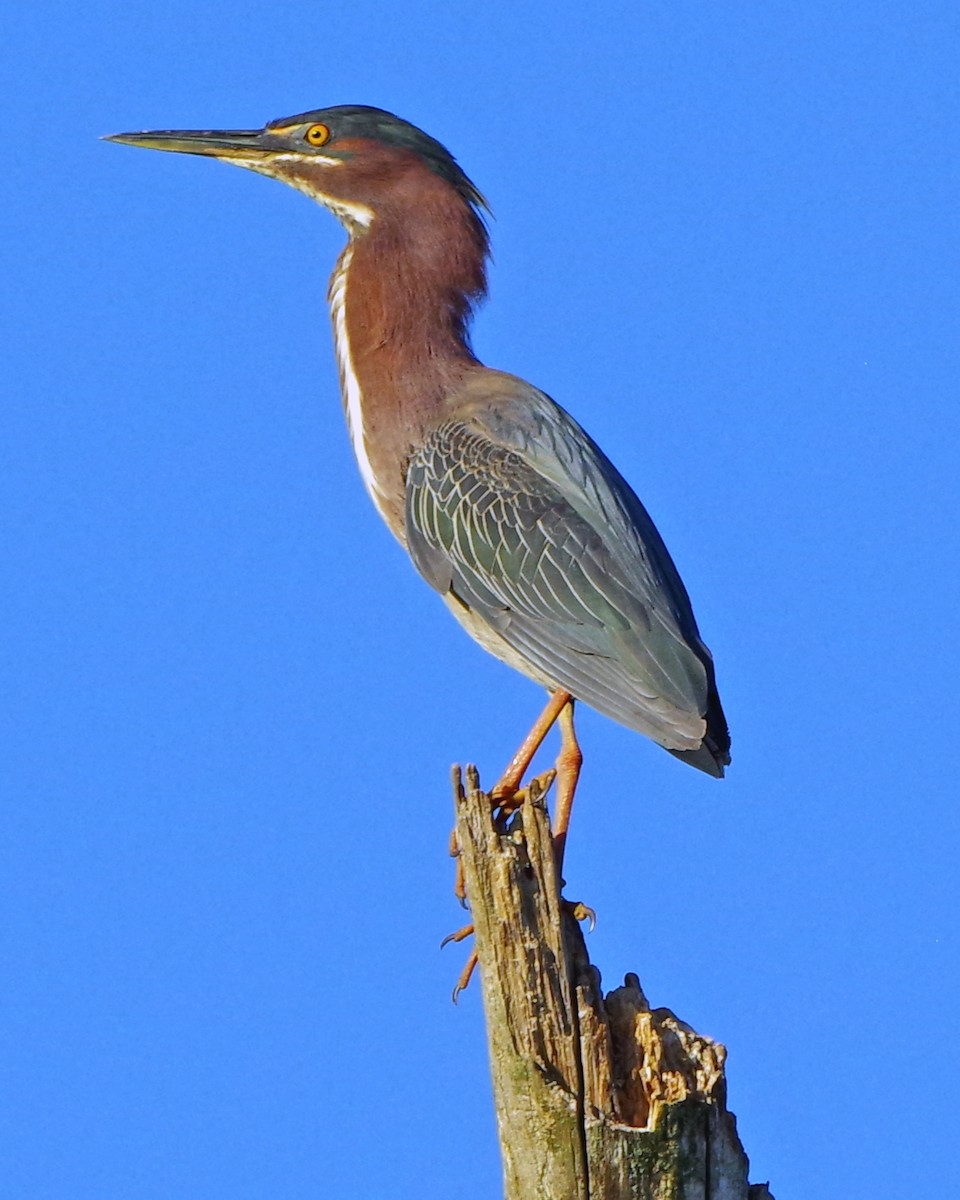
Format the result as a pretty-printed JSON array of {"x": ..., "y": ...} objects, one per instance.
[{"x": 597, "y": 1097}]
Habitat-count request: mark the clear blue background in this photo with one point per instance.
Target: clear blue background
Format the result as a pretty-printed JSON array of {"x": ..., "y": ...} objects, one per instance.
[{"x": 726, "y": 239}]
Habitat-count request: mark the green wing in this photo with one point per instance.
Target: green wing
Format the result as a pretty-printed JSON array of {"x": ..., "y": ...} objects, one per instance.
[{"x": 515, "y": 511}]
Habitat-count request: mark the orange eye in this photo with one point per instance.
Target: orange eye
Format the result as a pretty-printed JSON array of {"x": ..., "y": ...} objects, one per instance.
[{"x": 318, "y": 135}]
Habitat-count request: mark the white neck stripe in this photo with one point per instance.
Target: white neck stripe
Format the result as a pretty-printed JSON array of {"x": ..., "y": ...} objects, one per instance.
[{"x": 349, "y": 384}]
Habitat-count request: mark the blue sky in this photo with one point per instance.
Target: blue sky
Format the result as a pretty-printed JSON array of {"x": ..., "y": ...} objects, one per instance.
[{"x": 726, "y": 239}]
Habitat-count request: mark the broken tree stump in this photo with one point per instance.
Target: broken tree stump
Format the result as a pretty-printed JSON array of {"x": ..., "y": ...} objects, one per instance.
[{"x": 597, "y": 1097}]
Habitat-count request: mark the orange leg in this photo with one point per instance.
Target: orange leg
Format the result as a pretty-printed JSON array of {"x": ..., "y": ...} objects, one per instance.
[
  {"x": 569, "y": 762},
  {"x": 510, "y": 780}
]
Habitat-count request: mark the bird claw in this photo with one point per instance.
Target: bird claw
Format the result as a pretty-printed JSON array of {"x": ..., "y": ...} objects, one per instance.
[
  {"x": 459, "y": 882},
  {"x": 458, "y": 935},
  {"x": 581, "y": 912},
  {"x": 463, "y": 981},
  {"x": 507, "y": 799}
]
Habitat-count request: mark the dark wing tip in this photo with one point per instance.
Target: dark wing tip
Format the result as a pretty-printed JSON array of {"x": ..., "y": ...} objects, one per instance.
[
  {"x": 706, "y": 758},
  {"x": 713, "y": 753}
]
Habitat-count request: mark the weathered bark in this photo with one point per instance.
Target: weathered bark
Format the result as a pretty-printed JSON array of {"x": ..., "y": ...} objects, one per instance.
[{"x": 597, "y": 1097}]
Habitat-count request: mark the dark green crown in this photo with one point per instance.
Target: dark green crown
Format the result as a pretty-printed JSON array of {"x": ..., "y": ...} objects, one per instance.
[{"x": 363, "y": 121}]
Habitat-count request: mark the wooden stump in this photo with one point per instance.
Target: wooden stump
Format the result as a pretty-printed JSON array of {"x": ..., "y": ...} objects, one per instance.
[{"x": 597, "y": 1097}]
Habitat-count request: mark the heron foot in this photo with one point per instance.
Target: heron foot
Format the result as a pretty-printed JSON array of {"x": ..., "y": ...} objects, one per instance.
[
  {"x": 576, "y": 909},
  {"x": 459, "y": 880},
  {"x": 507, "y": 798},
  {"x": 581, "y": 912},
  {"x": 505, "y": 801},
  {"x": 463, "y": 979},
  {"x": 458, "y": 935}
]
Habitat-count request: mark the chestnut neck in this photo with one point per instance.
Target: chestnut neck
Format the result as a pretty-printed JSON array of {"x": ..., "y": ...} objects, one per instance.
[{"x": 402, "y": 296}]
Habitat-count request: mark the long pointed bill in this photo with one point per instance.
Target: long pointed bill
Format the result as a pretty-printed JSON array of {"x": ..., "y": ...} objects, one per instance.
[{"x": 216, "y": 143}]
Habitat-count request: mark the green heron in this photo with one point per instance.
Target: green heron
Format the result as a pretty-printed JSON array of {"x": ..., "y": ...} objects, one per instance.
[{"x": 508, "y": 509}]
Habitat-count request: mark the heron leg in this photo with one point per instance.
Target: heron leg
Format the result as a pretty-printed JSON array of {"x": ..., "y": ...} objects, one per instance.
[
  {"x": 569, "y": 762},
  {"x": 510, "y": 779}
]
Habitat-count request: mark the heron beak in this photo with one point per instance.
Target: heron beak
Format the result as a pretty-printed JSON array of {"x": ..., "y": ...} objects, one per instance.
[{"x": 217, "y": 143}]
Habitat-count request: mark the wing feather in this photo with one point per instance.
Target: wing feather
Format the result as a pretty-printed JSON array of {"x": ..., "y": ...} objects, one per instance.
[{"x": 515, "y": 511}]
